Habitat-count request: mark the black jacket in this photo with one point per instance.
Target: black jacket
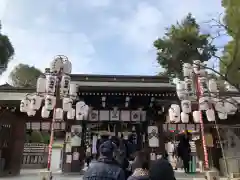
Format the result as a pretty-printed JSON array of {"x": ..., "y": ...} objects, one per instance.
[
  {"x": 161, "y": 169},
  {"x": 104, "y": 169}
]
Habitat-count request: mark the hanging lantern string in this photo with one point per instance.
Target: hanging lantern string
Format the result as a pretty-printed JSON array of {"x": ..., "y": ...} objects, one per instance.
[
  {"x": 53, "y": 122},
  {"x": 199, "y": 93}
]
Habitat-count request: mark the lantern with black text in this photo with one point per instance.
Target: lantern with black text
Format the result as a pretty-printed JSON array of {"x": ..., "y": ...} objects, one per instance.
[
  {"x": 222, "y": 115},
  {"x": 51, "y": 84},
  {"x": 73, "y": 90},
  {"x": 56, "y": 65},
  {"x": 67, "y": 104},
  {"x": 184, "y": 117},
  {"x": 35, "y": 102},
  {"x": 213, "y": 86},
  {"x": 41, "y": 85},
  {"x": 196, "y": 116},
  {"x": 71, "y": 113},
  {"x": 186, "y": 106},
  {"x": 67, "y": 66},
  {"x": 187, "y": 70},
  {"x": 181, "y": 92},
  {"x": 50, "y": 102},
  {"x": 203, "y": 85},
  {"x": 65, "y": 84},
  {"x": 24, "y": 105},
  {"x": 81, "y": 110},
  {"x": 210, "y": 115},
  {"x": 204, "y": 103},
  {"x": 59, "y": 114},
  {"x": 189, "y": 87},
  {"x": 174, "y": 113},
  {"x": 45, "y": 113}
]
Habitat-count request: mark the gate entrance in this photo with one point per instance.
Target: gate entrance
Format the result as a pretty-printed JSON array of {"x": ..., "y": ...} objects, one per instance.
[{"x": 5, "y": 151}]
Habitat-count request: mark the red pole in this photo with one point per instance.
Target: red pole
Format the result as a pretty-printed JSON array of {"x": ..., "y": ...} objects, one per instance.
[
  {"x": 200, "y": 93},
  {"x": 51, "y": 141}
]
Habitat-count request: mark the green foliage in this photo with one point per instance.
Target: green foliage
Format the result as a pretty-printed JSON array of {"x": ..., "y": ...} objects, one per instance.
[
  {"x": 24, "y": 76},
  {"x": 230, "y": 64},
  {"x": 38, "y": 137},
  {"x": 181, "y": 44},
  {"x": 6, "y": 50}
]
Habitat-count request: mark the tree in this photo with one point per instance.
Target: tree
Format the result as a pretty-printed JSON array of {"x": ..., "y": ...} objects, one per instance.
[
  {"x": 6, "y": 51},
  {"x": 230, "y": 61},
  {"x": 181, "y": 44},
  {"x": 24, "y": 75}
]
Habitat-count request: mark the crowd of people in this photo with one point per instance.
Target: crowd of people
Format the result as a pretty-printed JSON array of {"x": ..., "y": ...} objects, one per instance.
[{"x": 113, "y": 162}]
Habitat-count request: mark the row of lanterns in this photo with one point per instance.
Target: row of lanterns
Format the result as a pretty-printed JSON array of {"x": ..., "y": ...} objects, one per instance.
[
  {"x": 208, "y": 99},
  {"x": 57, "y": 79}
]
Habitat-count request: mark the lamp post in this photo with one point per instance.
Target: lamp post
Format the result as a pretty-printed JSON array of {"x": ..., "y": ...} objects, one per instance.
[
  {"x": 56, "y": 93},
  {"x": 196, "y": 87}
]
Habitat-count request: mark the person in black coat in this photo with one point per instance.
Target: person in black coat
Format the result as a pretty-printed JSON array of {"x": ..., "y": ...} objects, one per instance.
[
  {"x": 106, "y": 167},
  {"x": 184, "y": 150},
  {"x": 161, "y": 169}
]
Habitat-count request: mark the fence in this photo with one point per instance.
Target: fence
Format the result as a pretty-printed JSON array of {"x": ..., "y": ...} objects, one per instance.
[{"x": 35, "y": 156}]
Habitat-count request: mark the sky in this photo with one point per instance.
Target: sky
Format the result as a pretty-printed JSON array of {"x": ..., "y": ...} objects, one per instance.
[{"x": 98, "y": 36}]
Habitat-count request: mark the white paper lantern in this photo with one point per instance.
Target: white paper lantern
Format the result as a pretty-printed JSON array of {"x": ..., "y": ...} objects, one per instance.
[
  {"x": 202, "y": 72},
  {"x": 50, "y": 102},
  {"x": 67, "y": 104},
  {"x": 59, "y": 114},
  {"x": 184, "y": 117},
  {"x": 73, "y": 90},
  {"x": 45, "y": 113},
  {"x": 213, "y": 86},
  {"x": 197, "y": 66},
  {"x": 25, "y": 105},
  {"x": 56, "y": 65},
  {"x": 189, "y": 87},
  {"x": 210, "y": 115},
  {"x": 41, "y": 85},
  {"x": 229, "y": 88},
  {"x": 174, "y": 113},
  {"x": 186, "y": 106},
  {"x": 71, "y": 114},
  {"x": 222, "y": 115},
  {"x": 51, "y": 84},
  {"x": 187, "y": 70},
  {"x": 67, "y": 66},
  {"x": 204, "y": 103},
  {"x": 196, "y": 116},
  {"x": 65, "y": 84},
  {"x": 231, "y": 106},
  {"x": 35, "y": 102},
  {"x": 181, "y": 91},
  {"x": 81, "y": 110},
  {"x": 203, "y": 85},
  {"x": 31, "y": 112}
]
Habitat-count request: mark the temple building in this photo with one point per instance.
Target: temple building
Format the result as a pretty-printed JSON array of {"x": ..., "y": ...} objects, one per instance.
[{"x": 118, "y": 106}]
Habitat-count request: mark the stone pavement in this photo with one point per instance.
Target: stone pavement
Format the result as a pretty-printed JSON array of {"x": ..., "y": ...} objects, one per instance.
[{"x": 33, "y": 175}]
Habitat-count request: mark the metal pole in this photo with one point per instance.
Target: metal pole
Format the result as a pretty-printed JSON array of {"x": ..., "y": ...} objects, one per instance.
[{"x": 199, "y": 93}]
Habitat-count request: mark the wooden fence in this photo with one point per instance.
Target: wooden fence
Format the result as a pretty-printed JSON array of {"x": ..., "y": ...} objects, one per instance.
[{"x": 35, "y": 156}]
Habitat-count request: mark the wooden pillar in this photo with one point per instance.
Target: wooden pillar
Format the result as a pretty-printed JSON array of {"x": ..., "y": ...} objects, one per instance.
[{"x": 17, "y": 145}]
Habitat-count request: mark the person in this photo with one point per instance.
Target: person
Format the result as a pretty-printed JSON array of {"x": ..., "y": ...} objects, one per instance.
[
  {"x": 140, "y": 166},
  {"x": 184, "y": 150},
  {"x": 121, "y": 157},
  {"x": 161, "y": 169},
  {"x": 106, "y": 167},
  {"x": 88, "y": 155}
]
